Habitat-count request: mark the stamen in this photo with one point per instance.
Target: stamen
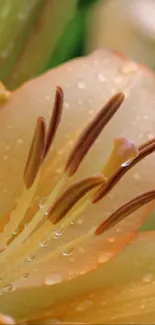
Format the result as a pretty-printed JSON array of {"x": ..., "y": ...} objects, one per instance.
[
  {"x": 4, "y": 93},
  {"x": 72, "y": 195},
  {"x": 124, "y": 151},
  {"x": 146, "y": 149},
  {"x": 36, "y": 153},
  {"x": 55, "y": 119},
  {"x": 124, "y": 211},
  {"x": 91, "y": 132}
]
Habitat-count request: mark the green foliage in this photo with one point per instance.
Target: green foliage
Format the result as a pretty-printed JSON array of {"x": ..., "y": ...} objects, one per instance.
[{"x": 36, "y": 35}]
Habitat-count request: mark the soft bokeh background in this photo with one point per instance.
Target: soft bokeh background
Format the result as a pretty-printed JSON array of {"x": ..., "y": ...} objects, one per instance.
[{"x": 36, "y": 35}]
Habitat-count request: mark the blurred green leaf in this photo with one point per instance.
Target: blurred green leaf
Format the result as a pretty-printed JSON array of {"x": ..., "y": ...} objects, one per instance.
[
  {"x": 36, "y": 35},
  {"x": 71, "y": 44}
]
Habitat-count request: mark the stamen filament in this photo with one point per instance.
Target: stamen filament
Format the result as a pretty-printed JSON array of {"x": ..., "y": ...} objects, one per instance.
[
  {"x": 18, "y": 272},
  {"x": 35, "y": 221}
]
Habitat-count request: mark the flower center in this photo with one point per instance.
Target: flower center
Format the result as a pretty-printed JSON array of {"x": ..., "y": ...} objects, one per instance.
[{"x": 65, "y": 203}]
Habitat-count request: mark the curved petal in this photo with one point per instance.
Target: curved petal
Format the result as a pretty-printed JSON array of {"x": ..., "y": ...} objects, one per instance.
[
  {"x": 121, "y": 292},
  {"x": 87, "y": 84}
]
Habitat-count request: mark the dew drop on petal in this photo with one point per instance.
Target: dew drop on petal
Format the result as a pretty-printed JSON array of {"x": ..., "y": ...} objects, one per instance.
[
  {"x": 81, "y": 85},
  {"x": 129, "y": 68},
  {"x": 105, "y": 257},
  {"x": 68, "y": 252},
  {"x": 58, "y": 232},
  {"x": 42, "y": 202},
  {"x": 44, "y": 243},
  {"x": 16, "y": 231},
  {"x": 84, "y": 305},
  {"x": 53, "y": 279},
  {"x": 127, "y": 163},
  {"x": 8, "y": 288},
  {"x": 111, "y": 239},
  {"x": 31, "y": 258},
  {"x": 20, "y": 140},
  {"x": 148, "y": 278},
  {"x": 25, "y": 276},
  {"x": 101, "y": 77}
]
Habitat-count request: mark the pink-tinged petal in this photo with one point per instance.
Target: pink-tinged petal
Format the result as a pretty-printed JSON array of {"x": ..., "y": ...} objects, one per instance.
[
  {"x": 120, "y": 292},
  {"x": 88, "y": 83}
]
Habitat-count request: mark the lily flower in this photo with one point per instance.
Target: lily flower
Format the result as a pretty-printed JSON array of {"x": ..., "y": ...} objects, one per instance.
[{"x": 76, "y": 150}]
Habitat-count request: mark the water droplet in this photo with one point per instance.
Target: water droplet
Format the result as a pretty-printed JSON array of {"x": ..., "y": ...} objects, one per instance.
[
  {"x": 127, "y": 163},
  {"x": 71, "y": 222},
  {"x": 84, "y": 305},
  {"x": 66, "y": 105},
  {"x": 148, "y": 278},
  {"x": 105, "y": 257},
  {"x": 20, "y": 140},
  {"x": 31, "y": 258},
  {"x": 42, "y": 202},
  {"x": 68, "y": 252},
  {"x": 16, "y": 231},
  {"x": 25, "y": 276},
  {"x": 79, "y": 221},
  {"x": 5, "y": 157},
  {"x": 44, "y": 243},
  {"x": 53, "y": 279},
  {"x": 8, "y": 288},
  {"x": 129, "y": 68},
  {"x": 58, "y": 232},
  {"x": 111, "y": 239},
  {"x": 101, "y": 77},
  {"x": 81, "y": 85}
]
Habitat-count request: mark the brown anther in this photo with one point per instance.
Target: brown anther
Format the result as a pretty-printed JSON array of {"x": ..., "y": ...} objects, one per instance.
[
  {"x": 72, "y": 195},
  {"x": 36, "y": 153},
  {"x": 91, "y": 133},
  {"x": 144, "y": 150},
  {"x": 124, "y": 211},
  {"x": 55, "y": 119}
]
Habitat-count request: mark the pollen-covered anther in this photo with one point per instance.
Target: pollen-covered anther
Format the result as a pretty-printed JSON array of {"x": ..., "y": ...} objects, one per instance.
[
  {"x": 4, "y": 93},
  {"x": 72, "y": 195},
  {"x": 91, "y": 133},
  {"x": 124, "y": 211},
  {"x": 36, "y": 153},
  {"x": 144, "y": 150},
  {"x": 124, "y": 151},
  {"x": 55, "y": 119}
]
